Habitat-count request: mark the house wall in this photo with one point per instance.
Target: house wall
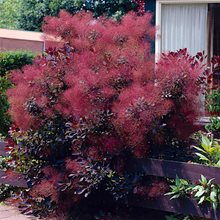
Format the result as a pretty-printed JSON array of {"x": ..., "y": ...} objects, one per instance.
[
  {"x": 13, "y": 44},
  {"x": 21, "y": 40}
]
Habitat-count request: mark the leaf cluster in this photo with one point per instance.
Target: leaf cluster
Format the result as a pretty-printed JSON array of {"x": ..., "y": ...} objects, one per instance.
[
  {"x": 209, "y": 150},
  {"x": 9, "y": 13},
  {"x": 204, "y": 191},
  {"x": 11, "y": 60},
  {"x": 213, "y": 101},
  {"x": 33, "y": 12},
  {"x": 214, "y": 125}
]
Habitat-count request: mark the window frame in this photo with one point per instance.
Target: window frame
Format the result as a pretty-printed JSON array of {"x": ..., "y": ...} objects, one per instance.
[{"x": 159, "y": 4}]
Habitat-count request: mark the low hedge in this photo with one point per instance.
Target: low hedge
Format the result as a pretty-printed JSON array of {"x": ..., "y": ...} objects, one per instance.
[
  {"x": 9, "y": 61},
  {"x": 14, "y": 60},
  {"x": 5, "y": 121}
]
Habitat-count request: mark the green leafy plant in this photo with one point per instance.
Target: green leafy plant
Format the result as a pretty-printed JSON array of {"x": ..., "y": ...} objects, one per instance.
[
  {"x": 4, "y": 105},
  {"x": 208, "y": 151},
  {"x": 214, "y": 126},
  {"x": 14, "y": 60},
  {"x": 9, "y": 13},
  {"x": 213, "y": 101},
  {"x": 6, "y": 190},
  {"x": 180, "y": 188},
  {"x": 204, "y": 191},
  {"x": 183, "y": 217},
  {"x": 9, "y": 61},
  {"x": 176, "y": 217},
  {"x": 171, "y": 217}
]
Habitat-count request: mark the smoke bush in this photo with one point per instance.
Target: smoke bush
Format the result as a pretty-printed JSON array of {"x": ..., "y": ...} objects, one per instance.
[
  {"x": 99, "y": 94},
  {"x": 103, "y": 65}
]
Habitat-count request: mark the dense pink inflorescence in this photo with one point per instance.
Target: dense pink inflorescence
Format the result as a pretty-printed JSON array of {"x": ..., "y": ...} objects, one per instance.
[{"x": 105, "y": 65}]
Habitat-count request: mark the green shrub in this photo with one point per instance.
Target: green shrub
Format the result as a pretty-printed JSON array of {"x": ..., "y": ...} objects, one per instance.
[
  {"x": 14, "y": 60},
  {"x": 214, "y": 126},
  {"x": 9, "y": 61},
  {"x": 4, "y": 105},
  {"x": 204, "y": 191},
  {"x": 208, "y": 150},
  {"x": 213, "y": 102}
]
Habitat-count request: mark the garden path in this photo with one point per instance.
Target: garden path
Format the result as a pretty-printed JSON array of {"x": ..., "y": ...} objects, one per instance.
[{"x": 11, "y": 213}]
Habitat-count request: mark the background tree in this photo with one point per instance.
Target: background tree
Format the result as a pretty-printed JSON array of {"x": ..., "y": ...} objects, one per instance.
[
  {"x": 9, "y": 13},
  {"x": 33, "y": 12}
]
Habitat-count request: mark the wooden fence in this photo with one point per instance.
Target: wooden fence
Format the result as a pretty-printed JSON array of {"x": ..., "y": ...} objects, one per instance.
[
  {"x": 171, "y": 169},
  {"x": 153, "y": 167}
]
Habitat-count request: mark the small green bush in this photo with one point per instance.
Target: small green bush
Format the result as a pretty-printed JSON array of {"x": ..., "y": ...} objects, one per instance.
[
  {"x": 214, "y": 125},
  {"x": 4, "y": 105},
  {"x": 9, "y": 61},
  {"x": 213, "y": 102},
  {"x": 14, "y": 60}
]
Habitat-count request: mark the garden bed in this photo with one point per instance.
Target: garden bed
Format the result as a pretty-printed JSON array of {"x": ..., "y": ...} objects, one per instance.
[
  {"x": 171, "y": 169},
  {"x": 158, "y": 168}
]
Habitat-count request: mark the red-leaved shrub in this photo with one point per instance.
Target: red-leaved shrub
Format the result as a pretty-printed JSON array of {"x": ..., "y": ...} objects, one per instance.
[
  {"x": 97, "y": 97},
  {"x": 108, "y": 67}
]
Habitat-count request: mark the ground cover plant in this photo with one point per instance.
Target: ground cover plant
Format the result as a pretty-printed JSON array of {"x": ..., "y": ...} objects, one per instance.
[
  {"x": 204, "y": 191},
  {"x": 94, "y": 102},
  {"x": 207, "y": 152}
]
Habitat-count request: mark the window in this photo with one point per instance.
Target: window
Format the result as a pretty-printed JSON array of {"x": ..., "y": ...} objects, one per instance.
[
  {"x": 184, "y": 26},
  {"x": 194, "y": 25},
  {"x": 188, "y": 24}
]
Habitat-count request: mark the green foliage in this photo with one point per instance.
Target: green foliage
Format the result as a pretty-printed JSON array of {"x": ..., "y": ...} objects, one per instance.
[
  {"x": 9, "y": 13},
  {"x": 171, "y": 217},
  {"x": 208, "y": 151},
  {"x": 177, "y": 217},
  {"x": 180, "y": 188},
  {"x": 213, "y": 102},
  {"x": 14, "y": 60},
  {"x": 204, "y": 191},
  {"x": 9, "y": 61},
  {"x": 6, "y": 190},
  {"x": 33, "y": 12},
  {"x": 214, "y": 126},
  {"x": 4, "y": 105}
]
